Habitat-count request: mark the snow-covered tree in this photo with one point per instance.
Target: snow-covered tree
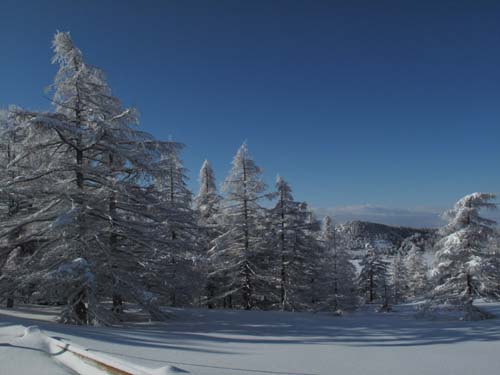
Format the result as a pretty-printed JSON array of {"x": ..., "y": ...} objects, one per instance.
[
  {"x": 208, "y": 208},
  {"x": 21, "y": 198},
  {"x": 9, "y": 203},
  {"x": 462, "y": 251},
  {"x": 491, "y": 273},
  {"x": 294, "y": 246},
  {"x": 341, "y": 273},
  {"x": 88, "y": 173},
  {"x": 182, "y": 232},
  {"x": 238, "y": 256},
  {"x": 208, "y": 200},
  {"x": 418, "y": 282},
  {"x": 400, "y": 278},
  {"x": 373, "y": 278}
]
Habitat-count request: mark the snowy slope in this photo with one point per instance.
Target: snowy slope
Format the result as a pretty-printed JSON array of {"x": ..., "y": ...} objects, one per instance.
[{"x": 251, "y": 342}]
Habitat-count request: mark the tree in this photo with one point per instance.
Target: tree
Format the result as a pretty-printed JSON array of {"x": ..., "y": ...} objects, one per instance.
[
  {"x": 341, "y": 273},
  {"x": 294, "y": 246},
  {"x": 10, "y": 203},
  {"x": 462, "y": 251},
  {"x": 208, "y": 208},
  {"x": 491, "y": 273},
  {"x": 90, "y": 177},
  {"x": 400, "y": 278},
  {"x": 373, "y": 277},
  {"x": 417, "y": 273},
  {"x": 238, "y": 255},
  {"x": 181, "y": 236},
  {"x": 208, "y": 200}
]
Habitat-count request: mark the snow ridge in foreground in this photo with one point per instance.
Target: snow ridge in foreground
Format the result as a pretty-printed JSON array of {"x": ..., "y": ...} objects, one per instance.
[{"x": 82, "y": 361}]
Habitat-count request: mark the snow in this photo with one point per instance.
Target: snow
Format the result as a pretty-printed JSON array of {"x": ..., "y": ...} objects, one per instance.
[
  {"x": 210, "y": 342},
  {"x": 25, "y": 358}
]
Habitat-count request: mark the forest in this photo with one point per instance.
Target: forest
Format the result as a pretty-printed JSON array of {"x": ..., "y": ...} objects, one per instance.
[{"x": 96, "y": 214}]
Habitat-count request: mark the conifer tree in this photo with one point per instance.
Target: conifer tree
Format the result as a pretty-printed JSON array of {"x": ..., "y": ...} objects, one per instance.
[
  {"x": 373, "y": 277},
  {"x": 491, "y": 272},
  {"x": 181, "y": 236},
  {"x": 400, "y": 279},
  {"x": 294, "y": 246},
  {"x": 208, "y": 200},
  {"x": 462, "y": 252},
  {"x": 341, "y": 272},
  {"x": 238, "y": 255},
  {"x": 208, "y": 208},
  {"x": 417, "y": 273},
  {"x": 89, "y": 175}
]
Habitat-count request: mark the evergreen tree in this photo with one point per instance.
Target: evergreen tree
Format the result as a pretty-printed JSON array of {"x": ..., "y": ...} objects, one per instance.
[
  {"x": 88, "y": 174},
  {"x": 373, "y": 277},
  {"x": 294, "y": 245},
  {"x": 341, "y": 272},
  {"x": 400, "y": 279},
  {"x": 417, "y": 273},
  {"x": 462, "y": 252},
  {"x": 208, "y": 208},
  {"x": 208, "y": 200},
  {"x": 183, "y": 257},
  {"x": 238, "y": 255},
  {"x": 491, "y": 273}
]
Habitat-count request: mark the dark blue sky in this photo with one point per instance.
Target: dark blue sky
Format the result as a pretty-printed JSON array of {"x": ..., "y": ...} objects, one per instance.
[{"x": 392, "y": 104}]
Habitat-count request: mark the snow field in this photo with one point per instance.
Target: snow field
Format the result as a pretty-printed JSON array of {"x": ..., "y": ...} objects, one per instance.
[{"x": 207, "y": 342}]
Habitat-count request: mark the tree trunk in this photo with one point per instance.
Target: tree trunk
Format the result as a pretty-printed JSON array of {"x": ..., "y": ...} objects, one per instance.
[
  {"x": 80, "y": 309},
  {"x": 371, "y": 287},
  {"x": 247, "y": 287},
  {"x": 113, "y": 244},
  {"x": 117, "y": 304},
  {"x": 283, "y": 280}
]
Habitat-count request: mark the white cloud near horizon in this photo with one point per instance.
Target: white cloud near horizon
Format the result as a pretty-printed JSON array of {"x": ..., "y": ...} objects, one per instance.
[{"x": 417, "y": 217}]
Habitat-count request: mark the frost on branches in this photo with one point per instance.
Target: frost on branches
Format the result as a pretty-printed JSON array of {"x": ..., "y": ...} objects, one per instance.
[
  {"x": 292, "y": 241},
  {"x": 340, "y": 272},
  {"x": 462, "y": 253},
  {"x": 88, "y": 178},
  {"x": 373, "y": 278},
  {"x": 208, "y": 205},
  {"x": 238, "y": 257}
]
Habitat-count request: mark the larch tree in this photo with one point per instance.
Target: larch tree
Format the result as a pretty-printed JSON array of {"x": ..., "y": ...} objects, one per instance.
[
  {"x": 293, "y": 248},
  {"x": 400, "y": 278},
  {"x": 10, "y": 203},
  {"x": 418, "y": 282},
  {"x": 182, "y": 232},
  {"x": 373, "y": 277},
  {"x": 341, "y": 272},
  {"x": 491, "y": 273},
  {"x": 208, "y": 208},
  {"x": 91, "y": 215},
  {"x": 238, "y": 255},
  {"x": 207, "y": 201},
  {"x": 462, "y": 252}
]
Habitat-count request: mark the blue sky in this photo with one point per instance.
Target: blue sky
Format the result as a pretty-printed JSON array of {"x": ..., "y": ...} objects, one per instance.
[{"x": 392, "y": 106}]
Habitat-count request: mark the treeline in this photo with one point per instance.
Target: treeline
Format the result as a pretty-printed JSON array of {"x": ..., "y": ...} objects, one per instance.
[{"x": 96, "y": 213}]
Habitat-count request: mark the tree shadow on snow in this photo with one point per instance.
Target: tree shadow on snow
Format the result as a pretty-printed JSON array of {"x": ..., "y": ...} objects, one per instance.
[{"x": 197, "y": 330}]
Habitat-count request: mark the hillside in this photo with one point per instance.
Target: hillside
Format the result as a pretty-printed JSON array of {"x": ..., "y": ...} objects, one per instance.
[{"x": 356, "y": 234}]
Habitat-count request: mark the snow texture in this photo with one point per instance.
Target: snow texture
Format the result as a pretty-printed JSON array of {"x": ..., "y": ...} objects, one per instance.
[{"x": 251, "y": 342}]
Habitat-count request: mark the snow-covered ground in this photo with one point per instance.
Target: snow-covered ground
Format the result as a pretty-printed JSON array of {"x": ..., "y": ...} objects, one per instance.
[{"x": 251, "y": 342}]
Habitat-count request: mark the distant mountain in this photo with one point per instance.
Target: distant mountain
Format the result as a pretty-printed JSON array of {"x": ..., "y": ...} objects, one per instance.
[{"x": 356, "y": 234}]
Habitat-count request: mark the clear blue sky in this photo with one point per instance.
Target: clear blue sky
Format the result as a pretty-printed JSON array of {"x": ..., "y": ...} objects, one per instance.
[{"x": 392, "y": 104}]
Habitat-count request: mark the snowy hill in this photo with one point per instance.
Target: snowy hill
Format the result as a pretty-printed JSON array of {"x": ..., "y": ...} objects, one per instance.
[{"x": 356, "y": 234}]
